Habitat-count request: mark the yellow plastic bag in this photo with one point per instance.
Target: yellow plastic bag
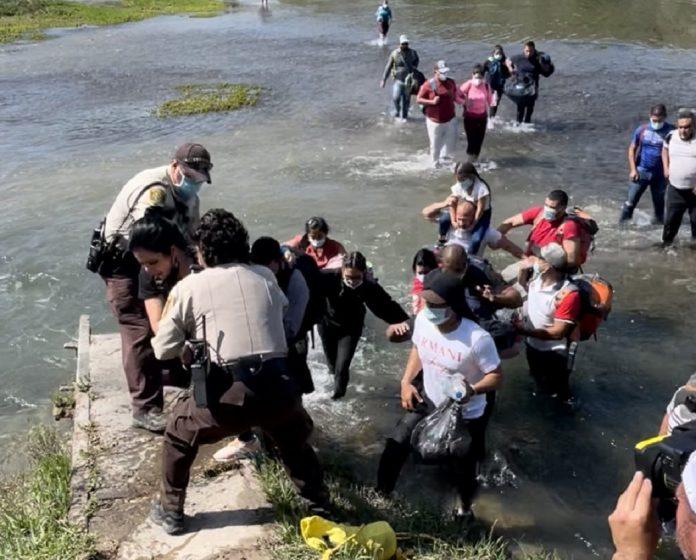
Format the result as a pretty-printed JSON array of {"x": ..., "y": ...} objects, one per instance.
[{"x": 328, "y": 537}]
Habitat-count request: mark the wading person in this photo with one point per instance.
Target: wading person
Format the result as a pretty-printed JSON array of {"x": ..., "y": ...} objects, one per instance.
[
  {"x": 315, "y": 242},
  {"x": 496, "y": 72},
  {"x": 444, "y": 345},
  {"x": 384, "y": 17},
  {"x": 439, "y": 95},
  {"x": 552, "y": 310},
  {"x": 237, "y": 309},
  {"x": 479, "y": 99},
  {"x": 266, "y": 252},
  {"x": 645, "y": 164},
  {"x": 527, "y": 68},
  {"x": 347, "y": 296},
  {"x": 679, "y": 161},
  {"x": 551, "y": 224},
  {"x": 402, "y": 63},
  {"x": 173, "y": 189}
]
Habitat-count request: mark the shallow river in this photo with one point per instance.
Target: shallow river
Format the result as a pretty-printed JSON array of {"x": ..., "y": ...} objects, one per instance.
[{"x": 76, "y": 121}]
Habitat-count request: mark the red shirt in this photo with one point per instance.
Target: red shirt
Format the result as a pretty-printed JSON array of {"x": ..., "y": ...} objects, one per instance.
[
  {"x": 331, "y": 250},
  {"x": 444, "y": 111},
  {"x": 568, "y": 309},
  {"x": 545, "y": 232}
]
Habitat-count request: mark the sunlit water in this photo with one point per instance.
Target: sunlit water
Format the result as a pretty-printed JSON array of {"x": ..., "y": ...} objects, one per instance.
[{"x": 76, "y": 120}]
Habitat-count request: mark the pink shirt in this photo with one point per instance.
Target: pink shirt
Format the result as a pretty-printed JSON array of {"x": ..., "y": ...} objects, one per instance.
[{"x": 478, "y": 98}]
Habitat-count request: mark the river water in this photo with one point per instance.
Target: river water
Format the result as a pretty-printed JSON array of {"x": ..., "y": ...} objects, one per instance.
[{"x": 76, "y": 121}]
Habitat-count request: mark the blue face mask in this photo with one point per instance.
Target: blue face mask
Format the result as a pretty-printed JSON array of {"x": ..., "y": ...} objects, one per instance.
[
  {"x": 657, "y": 125},
  {"x": 188, "y": 188},
  {"x": 436, "y": 315}
]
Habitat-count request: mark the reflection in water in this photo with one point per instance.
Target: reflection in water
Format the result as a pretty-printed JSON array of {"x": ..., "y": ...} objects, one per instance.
[{"x": 78, "y": 123}]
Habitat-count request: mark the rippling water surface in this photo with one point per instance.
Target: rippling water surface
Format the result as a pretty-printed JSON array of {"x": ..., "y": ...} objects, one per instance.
[{"x": 76, "y": 121}]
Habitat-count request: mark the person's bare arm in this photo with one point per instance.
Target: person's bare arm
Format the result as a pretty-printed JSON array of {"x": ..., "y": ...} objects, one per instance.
[
  {"x": 506, "y": 245},
  {"x": 633, "y": 172},
  {"x": 153, "y": 308},
  {"x": 664, "y": 427},
  {"x": 432, "y": 211},
  {"x": 572, "y": 250},
  {"x": 426, "y": 101},
  {"x": 558, "y": 331},
  {"x": 508, "y": 297},
  {"x": 665, "y": 162},
  {"x": 294, "y": 243},
  {"x": 490, "y": 382},
  {"x": 481, "y": 207},
  {"x": 408, "y": 391},
  {"x": 512, "y": 222}
]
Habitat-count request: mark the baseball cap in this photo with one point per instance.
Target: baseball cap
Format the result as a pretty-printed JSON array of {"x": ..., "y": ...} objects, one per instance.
[
  {"x": 443, "y": 287},
  {"x": 196, "y": 157},
  {"x": 441, "y": 67},
  {"x": 554, "y": 254},
  {"x": 403, "y": 39}
]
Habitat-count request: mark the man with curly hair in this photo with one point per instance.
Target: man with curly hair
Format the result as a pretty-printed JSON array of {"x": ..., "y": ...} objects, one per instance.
[{"x": 248, "y": 382}]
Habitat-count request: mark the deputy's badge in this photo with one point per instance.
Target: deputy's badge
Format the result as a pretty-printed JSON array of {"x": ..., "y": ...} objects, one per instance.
[{"x": 157, "y": 197}]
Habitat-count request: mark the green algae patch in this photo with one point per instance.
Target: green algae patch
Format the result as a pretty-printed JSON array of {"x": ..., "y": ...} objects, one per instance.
[
  {"x": 28, "y": 19},
  {"x": 198, "y": 99}
]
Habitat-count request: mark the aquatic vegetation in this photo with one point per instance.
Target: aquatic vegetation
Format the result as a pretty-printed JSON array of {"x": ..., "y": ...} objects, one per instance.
[
  {"x": 27, "y": 19},
  {"x": 197, "y": 99},
  {"x": 423, "y": 531},
  {"x": 35, "y": 505}
]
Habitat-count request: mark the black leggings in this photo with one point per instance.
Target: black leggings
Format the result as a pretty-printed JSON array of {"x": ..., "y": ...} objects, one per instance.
[
  {"x": 525, "y": 108},
  {"x": 499, "y": 97},
  {"x": 339, "y": 348},
  {"x": 550, "y": 370},
  {"x": 461, "y": 472},
  {"x": 475, "y": 128}
]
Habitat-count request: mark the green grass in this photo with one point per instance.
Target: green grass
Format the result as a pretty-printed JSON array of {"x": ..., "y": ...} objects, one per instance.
[
  {"x": 27, "y": 19},
  {"x": 34, "y": 506},
  {"x": 423, "y": 531},
  {"x": 197, "y": 99}
]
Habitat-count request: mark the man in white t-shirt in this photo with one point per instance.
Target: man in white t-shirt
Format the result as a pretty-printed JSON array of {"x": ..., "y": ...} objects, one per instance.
[
  {"x": 446, "y": 347},
  {"x": 679, "y": 162},
  {"x": 551, "y": 312},
  {"x": 463, "y": 229},
  {"x": 681, "y": 409}
]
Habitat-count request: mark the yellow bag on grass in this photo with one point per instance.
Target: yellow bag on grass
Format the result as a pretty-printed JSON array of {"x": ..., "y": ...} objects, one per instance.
[{"x": 328, "y": 537}]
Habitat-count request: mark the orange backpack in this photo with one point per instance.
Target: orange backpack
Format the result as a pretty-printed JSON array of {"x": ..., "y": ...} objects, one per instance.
[{"x": 596, "y": 297}]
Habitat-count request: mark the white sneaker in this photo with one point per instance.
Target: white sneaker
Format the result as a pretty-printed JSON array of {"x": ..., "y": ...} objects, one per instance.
[
  {"x": 237, "y": 450},
  {"x": 490, "y": 125}
]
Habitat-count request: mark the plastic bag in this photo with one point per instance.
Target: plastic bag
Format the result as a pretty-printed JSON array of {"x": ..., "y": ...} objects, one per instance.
[{"x": 442, "y": 435}]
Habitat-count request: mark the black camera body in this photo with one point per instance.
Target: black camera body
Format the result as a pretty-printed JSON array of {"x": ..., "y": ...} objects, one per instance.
[
  {"x": 662, "y": 459},
  {"x": 97, "y": 248}
]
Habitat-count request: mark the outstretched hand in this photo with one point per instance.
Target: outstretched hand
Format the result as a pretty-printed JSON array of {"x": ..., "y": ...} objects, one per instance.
[
  {"x": 408, "y": 394},
  {"x": 634, "y": 526}
]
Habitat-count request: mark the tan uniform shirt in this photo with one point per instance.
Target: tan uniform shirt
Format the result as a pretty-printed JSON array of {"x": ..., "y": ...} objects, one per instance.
[
  {"x": 119, "y": 222},
  {"x": 243, "y": 307}
]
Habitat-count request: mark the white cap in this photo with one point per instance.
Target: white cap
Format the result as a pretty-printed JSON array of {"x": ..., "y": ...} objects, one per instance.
[
  {"x": 442, "y": 67},
  {"x": 689, "y": 480},
  {"x": 554, "y": 254},
  {"x": 403, "y": 39}
]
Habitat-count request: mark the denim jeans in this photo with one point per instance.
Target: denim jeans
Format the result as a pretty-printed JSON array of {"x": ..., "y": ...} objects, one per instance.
[
  {"x": 657, "y": 184},
  {"x": 444, "y": 223},
  {"x": 401, "y": 99}
]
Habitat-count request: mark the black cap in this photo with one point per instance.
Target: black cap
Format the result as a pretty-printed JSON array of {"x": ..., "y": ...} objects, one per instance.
[
  {"x": 196, "y": 157},
  {"x": 441, "y": 286}
]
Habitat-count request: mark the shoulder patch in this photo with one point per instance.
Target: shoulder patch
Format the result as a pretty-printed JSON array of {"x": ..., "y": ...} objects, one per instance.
[{"x": 156, "y": 196}]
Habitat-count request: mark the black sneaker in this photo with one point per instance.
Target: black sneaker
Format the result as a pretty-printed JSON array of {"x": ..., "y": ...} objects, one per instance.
[
  {"x": 152, "y": 420},
  {"x": 172, "y": 522}
]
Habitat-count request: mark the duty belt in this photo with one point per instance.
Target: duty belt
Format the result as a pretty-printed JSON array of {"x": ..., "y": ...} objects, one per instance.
[{"x": 242, "y": 368}]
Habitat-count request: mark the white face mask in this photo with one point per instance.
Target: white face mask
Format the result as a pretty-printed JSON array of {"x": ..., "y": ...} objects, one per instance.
[
  {"x": 352, "y": 284},
  {"x": 477, "y": 81},
  {"x": 498, "y": 56},
  {"x": 316, "y": 243},
  {"x": 436, "y": 315},
  {"x": 420, "y": 277},
  {"x": 466, "y": 184},
  {"x": 549, "y": 214},
  {"x": 442, "y": 76}
]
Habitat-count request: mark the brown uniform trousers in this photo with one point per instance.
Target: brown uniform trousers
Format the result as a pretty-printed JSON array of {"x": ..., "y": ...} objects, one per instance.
[
  {"x": 272, "y": 403},
  {"x": 143, "y": 371}
]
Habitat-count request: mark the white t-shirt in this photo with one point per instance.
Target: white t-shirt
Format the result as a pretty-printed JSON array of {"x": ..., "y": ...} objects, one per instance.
[
  {"x": 682, "y": 161},
  {"x": 468, "y": 350},
  {"x": 463, "y": 237},
  {"x": 478, "y": 190},
  {"x": 542, "y": 309}
]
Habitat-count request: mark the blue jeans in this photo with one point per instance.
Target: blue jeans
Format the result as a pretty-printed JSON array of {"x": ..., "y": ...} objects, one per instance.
[
  {"x": 657, "y": 184},
  {"x": 401, "y": 99}
]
